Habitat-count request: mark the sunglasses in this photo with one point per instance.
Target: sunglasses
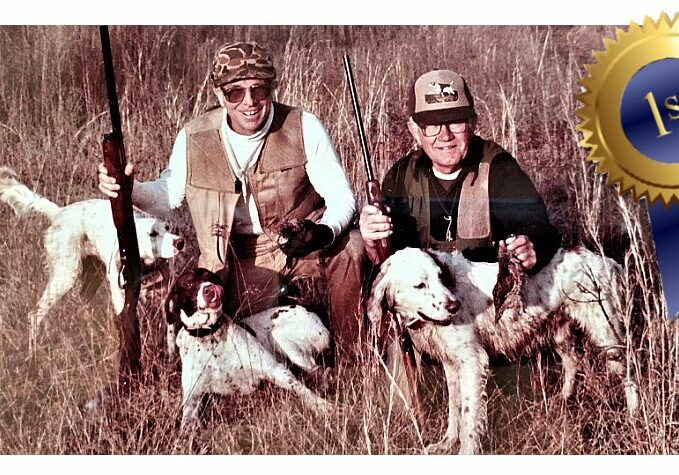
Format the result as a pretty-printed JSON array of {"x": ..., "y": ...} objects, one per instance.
[
  {"x": 237, "y": 94},
  {"x": 453, "y": 128}
]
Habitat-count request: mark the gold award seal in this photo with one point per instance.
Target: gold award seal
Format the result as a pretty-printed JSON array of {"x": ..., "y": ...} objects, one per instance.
[{"x": 630, "y": 113}]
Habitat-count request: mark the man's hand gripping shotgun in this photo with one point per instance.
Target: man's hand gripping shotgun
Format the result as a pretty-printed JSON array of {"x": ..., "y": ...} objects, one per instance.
[{"x": 375, "y": 198}]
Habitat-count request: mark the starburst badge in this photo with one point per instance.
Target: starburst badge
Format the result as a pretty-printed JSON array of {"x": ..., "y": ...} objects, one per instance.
[
  {"x": 630, "y": 121},
  {"x": 630, "y": 113}
]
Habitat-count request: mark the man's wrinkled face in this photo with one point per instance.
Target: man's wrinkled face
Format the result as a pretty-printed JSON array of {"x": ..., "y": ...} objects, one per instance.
[
  {"x": 247, "y": 103},
  {"x": 446, "y": 144}
]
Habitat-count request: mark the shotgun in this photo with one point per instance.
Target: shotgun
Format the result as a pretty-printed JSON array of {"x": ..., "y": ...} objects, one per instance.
[
  {"x": 375, "y": 198},
  {"x": 372, "y": 186},
  {"x": 129, "y": 367}
]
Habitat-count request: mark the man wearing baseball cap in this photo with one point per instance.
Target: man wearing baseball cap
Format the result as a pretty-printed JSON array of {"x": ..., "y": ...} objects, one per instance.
[
  {"x": 457, "y": 190},
  {"x": 247, "y": 168}
]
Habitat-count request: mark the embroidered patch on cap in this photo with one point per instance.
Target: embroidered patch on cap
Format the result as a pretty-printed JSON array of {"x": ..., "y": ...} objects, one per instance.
[{"x": 437, "y": 92}]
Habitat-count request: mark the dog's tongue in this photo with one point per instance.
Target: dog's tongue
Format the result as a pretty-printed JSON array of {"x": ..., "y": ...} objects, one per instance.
[{"x": 213, "y": 295}]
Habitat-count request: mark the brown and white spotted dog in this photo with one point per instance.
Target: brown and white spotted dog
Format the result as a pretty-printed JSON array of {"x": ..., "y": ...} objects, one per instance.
[
  {"x": 80, "y": 230},
  {"x": 222, "y": 357},
  {"x": 582, "y": 283}
]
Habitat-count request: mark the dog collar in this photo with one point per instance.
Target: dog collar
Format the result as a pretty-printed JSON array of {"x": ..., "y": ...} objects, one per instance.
[{"x": 207, "y": 331}]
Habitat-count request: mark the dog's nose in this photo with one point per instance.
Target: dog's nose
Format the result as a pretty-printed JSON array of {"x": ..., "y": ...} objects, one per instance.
[
  {"x": 453, "y": 306},
  {"x": 179, "y": 244},
  {"x": 210, "y": 293}
]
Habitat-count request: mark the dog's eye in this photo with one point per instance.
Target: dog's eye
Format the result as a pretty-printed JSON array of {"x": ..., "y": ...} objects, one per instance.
[
  {"x": 421, "y": 285},
  {"x": 153, "y": 233},
  {"x": 167, "y": 227}
]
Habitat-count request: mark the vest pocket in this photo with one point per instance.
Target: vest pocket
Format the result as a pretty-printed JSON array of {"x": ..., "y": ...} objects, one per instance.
[
  {"x": 212, "y": 214},
  {"x": 208, "y": 166}
]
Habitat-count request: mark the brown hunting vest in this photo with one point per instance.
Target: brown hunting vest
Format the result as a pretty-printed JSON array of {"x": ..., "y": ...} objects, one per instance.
[
  {"x": 473, "y": 216},
  {"x": 278, "y": 181}
]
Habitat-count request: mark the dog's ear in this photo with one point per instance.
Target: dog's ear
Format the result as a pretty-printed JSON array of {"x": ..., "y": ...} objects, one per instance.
[
  {"x": 377, "y": 308},
  {"x": 446, "y": 275},
  {"x": 171, "y": 308},
  {"x": 173, "y": 319},
  {"x": 378, "y": 302}
]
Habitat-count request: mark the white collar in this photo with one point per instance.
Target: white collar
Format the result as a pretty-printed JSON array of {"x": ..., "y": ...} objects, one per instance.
[
  {"x": 446, "y": 176},
  {"x": 257, "y": 136}
]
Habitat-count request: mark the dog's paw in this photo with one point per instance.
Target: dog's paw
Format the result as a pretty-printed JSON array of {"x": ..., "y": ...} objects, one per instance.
[
  {"x": 324, "y": 407},
  {"x": 328, "y": 383},
  {"x": 632, "y": 397},
  {"x": 190, "y": 425},
  {"x": 440, "y": 448},
  {"x": 322, "y": 380},
  {"x": 320, "y": 406},
  {"x": 92, "y": 407}
]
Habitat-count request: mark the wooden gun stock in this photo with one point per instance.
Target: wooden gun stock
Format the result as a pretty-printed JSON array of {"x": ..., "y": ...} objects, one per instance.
[
  {"x": 375, "y": 198},
  {"x": 129, "y": 367}
]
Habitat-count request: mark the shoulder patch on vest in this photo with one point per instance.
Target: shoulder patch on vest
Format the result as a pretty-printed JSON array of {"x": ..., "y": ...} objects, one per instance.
[{"x": 285, "y": 134}]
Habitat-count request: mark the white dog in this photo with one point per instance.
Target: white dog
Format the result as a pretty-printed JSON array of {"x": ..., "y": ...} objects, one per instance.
[
  {"x": 222, "y": 357},
  {"x": 582, "y": 283},
  {"x": 82, "y": 229}
]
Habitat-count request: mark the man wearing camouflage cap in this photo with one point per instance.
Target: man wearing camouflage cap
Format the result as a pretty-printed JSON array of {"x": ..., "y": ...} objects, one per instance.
[
  {"x": 457, "y": 190},
  {"x": 245, "y": 169}
]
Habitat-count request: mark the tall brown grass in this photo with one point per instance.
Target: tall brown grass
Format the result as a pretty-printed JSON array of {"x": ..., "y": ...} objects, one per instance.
[{"x": 53, "y": 113}]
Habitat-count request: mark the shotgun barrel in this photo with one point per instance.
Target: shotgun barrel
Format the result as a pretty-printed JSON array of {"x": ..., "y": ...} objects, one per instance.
[{"x": 372, "y": 186}]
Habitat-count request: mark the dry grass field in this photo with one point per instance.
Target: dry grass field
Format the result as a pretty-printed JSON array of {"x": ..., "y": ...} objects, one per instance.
[{"x": 53, "y": 114}]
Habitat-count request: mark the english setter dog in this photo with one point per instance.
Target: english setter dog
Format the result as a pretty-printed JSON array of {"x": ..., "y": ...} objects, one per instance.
[
  {"x": 421, "y": 287},
  {"x": 222, "y": 357},
  {"x": 78, "y": 230}
]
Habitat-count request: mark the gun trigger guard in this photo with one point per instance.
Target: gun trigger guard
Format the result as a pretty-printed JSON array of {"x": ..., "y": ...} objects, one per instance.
[
  {"x": 121, "y": 277},
  {"x": 290, "y": 262}
]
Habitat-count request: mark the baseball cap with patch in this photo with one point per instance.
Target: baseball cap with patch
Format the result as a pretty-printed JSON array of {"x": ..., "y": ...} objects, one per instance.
[
  {"x": 241, "y": 60},
  {"x": 440, "y": 96}
]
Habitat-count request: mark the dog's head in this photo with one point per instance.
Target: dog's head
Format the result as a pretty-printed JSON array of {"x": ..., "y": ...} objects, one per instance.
[
  {"x": 155, "y": 240},
  {"x": 411, "y": 284},
  {"x": 195, "y": 300}
]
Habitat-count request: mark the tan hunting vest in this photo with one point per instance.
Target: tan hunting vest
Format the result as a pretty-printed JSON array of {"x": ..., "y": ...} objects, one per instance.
[
  {"x": 278, "y": 181},
  {"x": 473, "y": 216}
]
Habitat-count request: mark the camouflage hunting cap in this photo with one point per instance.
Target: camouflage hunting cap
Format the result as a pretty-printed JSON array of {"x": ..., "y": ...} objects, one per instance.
[
  {"x": 440, "y": 96},
  {"x": 241, "y": 60}
]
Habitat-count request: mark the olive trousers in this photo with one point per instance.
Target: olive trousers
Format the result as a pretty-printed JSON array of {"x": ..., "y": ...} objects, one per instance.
[{"x": 258, "y": 268}]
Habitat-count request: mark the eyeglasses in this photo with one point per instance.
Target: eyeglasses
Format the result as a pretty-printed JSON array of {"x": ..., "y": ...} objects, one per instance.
[
  {"x": 237, "y": 94},
  {"x": 453, "y": 128}
]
